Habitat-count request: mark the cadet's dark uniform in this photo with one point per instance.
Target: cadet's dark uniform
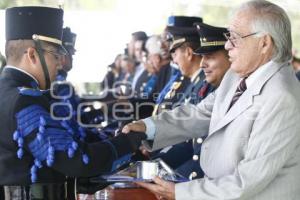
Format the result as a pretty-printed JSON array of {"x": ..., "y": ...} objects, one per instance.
[
  {"x": 200, "y": 89},
  {"x": 172, "y": 93},
  {"x": 34, "y": 147},
  {"x": 191, "y": 168},
  {"x": 163, "y": 78},
  {"x": 15, "y": 171}
]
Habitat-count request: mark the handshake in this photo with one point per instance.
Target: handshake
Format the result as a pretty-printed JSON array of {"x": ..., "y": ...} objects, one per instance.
[{"x": 135, "y": 131}]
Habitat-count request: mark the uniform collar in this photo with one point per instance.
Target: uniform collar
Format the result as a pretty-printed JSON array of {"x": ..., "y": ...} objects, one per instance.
[
  {"x": 195, "y": 75},
  {"x": 33, "y": 81}
]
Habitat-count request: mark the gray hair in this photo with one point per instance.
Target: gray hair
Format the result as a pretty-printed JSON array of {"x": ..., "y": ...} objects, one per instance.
[
  {"x": 273, "y": 20},
  {"x": 154, "y": 45}
]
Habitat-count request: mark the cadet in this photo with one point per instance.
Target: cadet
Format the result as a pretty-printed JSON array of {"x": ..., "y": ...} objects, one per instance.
[{"x": 34, "y": 147}]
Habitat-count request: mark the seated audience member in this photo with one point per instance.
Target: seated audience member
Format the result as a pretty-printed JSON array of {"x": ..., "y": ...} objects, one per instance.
[{"x": 114, "y": 74}]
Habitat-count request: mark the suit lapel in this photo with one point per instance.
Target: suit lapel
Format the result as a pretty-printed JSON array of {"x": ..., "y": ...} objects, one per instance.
[{"x": 245, "y": 101}]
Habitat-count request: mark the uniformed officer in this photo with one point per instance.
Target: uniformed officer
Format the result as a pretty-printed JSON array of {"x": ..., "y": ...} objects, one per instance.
[
  {"x": 214, "y": 63},
  {"x": 35, "y": 147},
  {"x": 184, "y": 41},
  {"x": 182, "y": 36}
]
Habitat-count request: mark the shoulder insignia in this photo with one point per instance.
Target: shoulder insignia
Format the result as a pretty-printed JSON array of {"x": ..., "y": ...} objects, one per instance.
[
  {"x": 51, "y": 136},
  {"x": 176, "y": 85}
]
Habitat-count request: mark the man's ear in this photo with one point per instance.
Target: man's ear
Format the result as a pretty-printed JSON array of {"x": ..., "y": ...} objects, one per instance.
[
  {"x": 190, "y": 53},
  {"x": 32, "y": 55},
  {"x": 266, "y": 43}
]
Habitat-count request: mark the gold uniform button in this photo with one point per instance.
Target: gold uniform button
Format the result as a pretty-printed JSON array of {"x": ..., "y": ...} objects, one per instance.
[
  {"x": 195, "y": 157},
  {"x": 199, "y": 140}
]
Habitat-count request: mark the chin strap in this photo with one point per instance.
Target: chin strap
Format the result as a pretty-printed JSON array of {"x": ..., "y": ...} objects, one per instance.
[{"x": 43, "y": 63}]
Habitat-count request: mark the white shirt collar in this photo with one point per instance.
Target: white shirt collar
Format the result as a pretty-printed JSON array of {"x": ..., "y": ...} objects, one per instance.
[
  {"x": 23, "y": 71},
  {"x": 195, "y": 74},
  {"x": 254, "y": 76}
]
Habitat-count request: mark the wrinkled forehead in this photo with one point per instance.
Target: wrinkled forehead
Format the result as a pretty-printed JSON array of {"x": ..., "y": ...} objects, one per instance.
[{"x": 241, "y": 22}]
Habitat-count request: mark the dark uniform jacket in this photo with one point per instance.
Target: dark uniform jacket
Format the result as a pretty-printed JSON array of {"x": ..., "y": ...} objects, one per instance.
[
  {"x": 187, "y": 164},
  {"x": 31, "y": 140},
  {"x": 191, "y": 168},
  {"x": 144, "y": 105},
  {"x": 111, "y": 78},
  {"x": 141, "y": 83},
  {"x": 169, "y": 98},
  {"x": 163, "y": 77},
  {"x": 171, "y": 95}
]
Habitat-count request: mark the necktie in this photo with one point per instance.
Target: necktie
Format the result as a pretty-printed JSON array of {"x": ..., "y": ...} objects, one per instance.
[
  {"x": 203, "y": 90},
  {"x": 239, "y": 91}
]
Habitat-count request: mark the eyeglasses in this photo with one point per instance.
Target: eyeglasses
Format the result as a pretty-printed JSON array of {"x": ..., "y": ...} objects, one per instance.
[
  {"x": 234, "y": 38},
  {"x": 57, "y": 55}
]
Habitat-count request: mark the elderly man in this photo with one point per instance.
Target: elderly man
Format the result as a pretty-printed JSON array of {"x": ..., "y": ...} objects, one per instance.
[
  {"x": 35, "y": 147},
  {"x": 159, "y": 58},
  {"x": 252, "y": 150}
]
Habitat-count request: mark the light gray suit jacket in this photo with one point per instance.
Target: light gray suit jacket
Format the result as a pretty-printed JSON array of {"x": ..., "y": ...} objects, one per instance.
[{"x": 252, "y": 151}]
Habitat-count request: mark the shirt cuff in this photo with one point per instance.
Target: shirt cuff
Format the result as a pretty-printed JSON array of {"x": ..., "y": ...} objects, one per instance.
[{"x": 150, "y": 128}]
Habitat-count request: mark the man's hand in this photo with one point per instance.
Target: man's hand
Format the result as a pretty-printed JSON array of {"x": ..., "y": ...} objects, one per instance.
[
  {"x": 144, "y": 151},
  {"x": 136, "y": 126},
  {"x": 162, "y": 189}
]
